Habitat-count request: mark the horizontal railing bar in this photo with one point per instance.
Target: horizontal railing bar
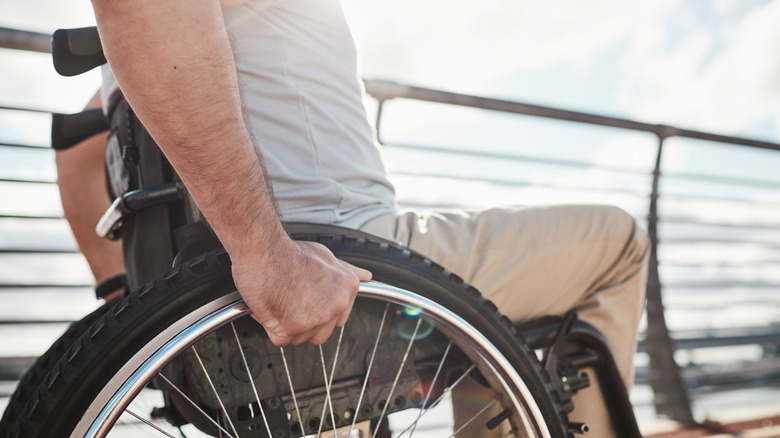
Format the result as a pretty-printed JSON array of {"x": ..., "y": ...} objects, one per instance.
[
  {"x": 698, "y": 222},
  {"x": 10, "y": 218},
  {"x": 448, "y": 150},
  {"x": 35, "y": 321},
  {"x": 700, "y": 343},
  {"x": 720, "y": 284},
  {"x": 37, "y": 251},
  {"x": 25, "y": 109},
  {"x": 690, "y": 306},
  {"x": 519, "y": 184},
  {"x": 738, "y": 368},
  {"x": 25, "y": 40},
  {"x": 716, "y": 240},
  {"x": 385, "y": 90},
  {"x": 713, "y": 198},
  {"x": 667, "y": 262},
  {"x": 26, "y": 146},
  {"x": 714, "y": 381},
  {"x": 718, "y": 300},
  {"x": 25, "y": 216},
  {"x": 702, "y": 386},
  {"x": 514, "y": 157},
  {"x": 42, "y": 286},
  {"x": 726, "y": 337},
  {"x": 46, "y": 290},
  {"x": 526, "y": 184},
  {"x": 747, "y": 370},
  {"x": 26, "y": 181},
  {"x": 31, "y": 289},
  {"x": 672, "y": 197},
  {"x": 730, "y": 180}
]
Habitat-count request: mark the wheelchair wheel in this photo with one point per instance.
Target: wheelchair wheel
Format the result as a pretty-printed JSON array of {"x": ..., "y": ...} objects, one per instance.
[
  {"x": 45, "y": 362},
  {"x": 414, "y": 336}
]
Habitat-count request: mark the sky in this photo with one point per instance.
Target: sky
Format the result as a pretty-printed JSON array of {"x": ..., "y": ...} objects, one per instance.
[{"x": 705, "y": 65}]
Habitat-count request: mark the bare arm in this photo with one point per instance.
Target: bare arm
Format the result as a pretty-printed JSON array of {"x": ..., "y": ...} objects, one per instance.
[
  {"x": 81, "y": 180},
  {"x": 173, "y": 62}
]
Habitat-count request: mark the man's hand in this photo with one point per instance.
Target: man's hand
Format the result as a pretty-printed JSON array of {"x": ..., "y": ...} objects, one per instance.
[{"x": 298, "y": 291}]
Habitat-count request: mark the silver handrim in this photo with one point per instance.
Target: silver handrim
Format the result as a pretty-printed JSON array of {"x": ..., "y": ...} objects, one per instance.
[{"x": 126, "y": 384}]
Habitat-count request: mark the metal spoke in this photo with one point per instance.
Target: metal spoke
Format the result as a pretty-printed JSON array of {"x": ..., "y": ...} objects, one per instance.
[
  {"x": 195, "y": 405},
  {"x": 430, "y": 388},
  {"x": 329, "y": 382},
  {"x": 292, "y": 391},
  {"x": 368, "y": 371},
  {"x": 398, "y": 374},
  {"x": 327, "y": 395},
  {"x": 148, "y": 423},
  {"x": 213, "y": 388},
  {"x": 446, "y": 391},
  {"x": 474, "y": 417},
  {"x": 251, "y": 379}
]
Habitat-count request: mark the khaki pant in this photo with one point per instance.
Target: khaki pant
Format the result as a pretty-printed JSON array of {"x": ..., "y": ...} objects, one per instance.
[{"x": 540, "y": 261}]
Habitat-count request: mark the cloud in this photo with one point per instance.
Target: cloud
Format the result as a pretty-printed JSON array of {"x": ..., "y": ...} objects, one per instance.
[
  {"x": 722, "y": 78},
  {"x": 460, "y": 44},
  {"x": 707, "y": 66},
  {"x": 46, "y": 15}
]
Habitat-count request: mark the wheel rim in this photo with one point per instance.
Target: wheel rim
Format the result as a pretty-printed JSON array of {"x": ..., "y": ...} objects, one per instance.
[{"x": 125, "y": 385}]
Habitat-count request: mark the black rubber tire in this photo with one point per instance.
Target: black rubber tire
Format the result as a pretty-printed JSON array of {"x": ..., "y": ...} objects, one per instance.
[
  {"x": 58, "y": 403},
  {"x": 34, "y": 375}
]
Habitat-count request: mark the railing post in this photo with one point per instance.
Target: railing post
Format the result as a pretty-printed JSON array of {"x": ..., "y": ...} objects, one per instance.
[{"x": 671, "y": 394}]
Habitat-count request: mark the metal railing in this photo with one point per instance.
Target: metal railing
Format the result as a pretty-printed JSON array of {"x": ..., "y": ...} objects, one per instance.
[
  {"x": 670, "y": 383},
  {"x": 669, "y": 386}
]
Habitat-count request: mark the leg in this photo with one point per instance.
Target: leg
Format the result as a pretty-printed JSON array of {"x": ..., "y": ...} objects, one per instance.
[
  {"x": 539, "y": 261},
  {"x": 81, "y": 180}
]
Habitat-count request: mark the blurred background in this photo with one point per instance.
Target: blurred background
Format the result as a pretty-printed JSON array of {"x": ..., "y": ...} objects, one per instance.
[{"x": 709, "y": 69}]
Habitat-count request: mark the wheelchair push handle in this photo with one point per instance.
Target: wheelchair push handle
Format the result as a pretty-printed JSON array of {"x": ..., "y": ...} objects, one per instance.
[
  {"x": 75, "y": 51},
  {"x": 70, "y": 129}
]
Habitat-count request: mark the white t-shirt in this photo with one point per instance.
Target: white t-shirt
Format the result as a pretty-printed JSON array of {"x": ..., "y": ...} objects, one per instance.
[{"x": 302, "y": 97}]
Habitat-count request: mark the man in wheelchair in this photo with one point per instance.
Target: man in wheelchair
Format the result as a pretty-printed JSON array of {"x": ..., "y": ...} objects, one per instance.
[{"x": 257, "y": 104}]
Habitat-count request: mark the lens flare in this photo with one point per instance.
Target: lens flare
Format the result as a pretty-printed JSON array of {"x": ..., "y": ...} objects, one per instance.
[
  {"x": 412, "y": 311},
  {"x": 405, "y": 327}
]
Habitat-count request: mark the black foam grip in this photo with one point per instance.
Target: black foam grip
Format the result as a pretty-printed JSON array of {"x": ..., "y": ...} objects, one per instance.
[
  {"x": 69, "y": 129},
  {"x": 75, "y": 51}
]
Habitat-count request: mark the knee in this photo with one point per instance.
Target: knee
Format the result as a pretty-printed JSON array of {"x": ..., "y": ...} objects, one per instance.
[
  {"x": 638, "y": 242},
  {"x": 634, "y": 259},
  {"x": 626, "y": 228}
]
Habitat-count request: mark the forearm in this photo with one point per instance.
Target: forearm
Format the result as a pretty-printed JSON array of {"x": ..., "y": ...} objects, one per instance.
[{"x": 172, "y": 60}]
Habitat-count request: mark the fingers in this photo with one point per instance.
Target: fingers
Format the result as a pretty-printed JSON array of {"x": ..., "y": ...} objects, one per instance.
[
  {"x": 322, "y": 334},
  {"x": 342, "y": 320},
  {"x": 317, "y": 336},
  {"x": 362, "y": 274}
]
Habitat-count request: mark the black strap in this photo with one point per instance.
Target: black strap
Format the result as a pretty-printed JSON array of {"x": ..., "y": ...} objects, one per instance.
[{"x": 111, "y": 284}]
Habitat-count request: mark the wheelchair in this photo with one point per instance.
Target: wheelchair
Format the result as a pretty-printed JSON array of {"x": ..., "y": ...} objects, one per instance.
[{"x": 181, "y": 352}]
